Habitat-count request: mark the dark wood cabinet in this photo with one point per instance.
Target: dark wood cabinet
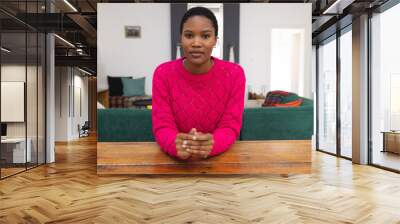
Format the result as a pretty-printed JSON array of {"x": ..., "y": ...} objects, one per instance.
[{"x": 391, "y": 141}]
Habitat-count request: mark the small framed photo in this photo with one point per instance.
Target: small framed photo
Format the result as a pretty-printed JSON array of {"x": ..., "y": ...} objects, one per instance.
[{"x": 132, "y": 31}]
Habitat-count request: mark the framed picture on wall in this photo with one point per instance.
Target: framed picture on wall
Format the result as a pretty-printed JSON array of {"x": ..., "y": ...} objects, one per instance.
[
  {"x": 12, "y": 101},
  {"x": 132, "y": 31}
]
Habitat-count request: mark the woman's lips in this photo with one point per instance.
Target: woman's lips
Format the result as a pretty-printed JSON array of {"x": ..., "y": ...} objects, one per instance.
[{"x": 196, "y": 54}]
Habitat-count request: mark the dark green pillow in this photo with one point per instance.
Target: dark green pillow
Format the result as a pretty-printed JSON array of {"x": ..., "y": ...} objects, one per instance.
[{"x": 133, "y": 87}]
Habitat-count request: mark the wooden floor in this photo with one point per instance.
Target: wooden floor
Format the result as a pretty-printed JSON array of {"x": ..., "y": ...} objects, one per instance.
[
  {"x": 387, "y": 159},
  {"x": 5, "y": 172},
  {"x": 10, "y": 171},
  {"x": 69, "y": 191}
]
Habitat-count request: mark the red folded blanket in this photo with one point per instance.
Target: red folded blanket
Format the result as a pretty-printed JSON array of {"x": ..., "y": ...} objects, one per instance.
[
  {"x": 276, "y": 97},
  {"x": 295, "y": 103}
]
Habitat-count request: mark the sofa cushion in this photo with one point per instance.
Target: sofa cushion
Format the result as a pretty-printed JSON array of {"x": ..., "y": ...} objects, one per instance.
[
  {"x": 278, "y": 123},
  {"x": 133, "y": 87},
  {"x": 124, "y": 125},
  {"x": 115, "y": 85}
]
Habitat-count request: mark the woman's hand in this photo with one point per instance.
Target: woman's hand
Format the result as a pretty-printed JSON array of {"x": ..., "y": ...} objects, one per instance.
[
  {"x": 180, "y": 143},
  {"x": 201, "y": 145},
  {"x": 194, "y": 145}
]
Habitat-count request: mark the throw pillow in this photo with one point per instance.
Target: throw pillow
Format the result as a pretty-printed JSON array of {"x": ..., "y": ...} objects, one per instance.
[
  {"x": 289, "y": 98},
  {"x": 295, "y": 103},
  {"x": 115, "y": 85},
  {"x": 274, "y": 97},
  {"x": 133, "y": 87}
]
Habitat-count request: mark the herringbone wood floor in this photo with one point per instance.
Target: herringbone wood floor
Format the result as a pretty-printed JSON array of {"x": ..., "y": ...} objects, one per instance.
[{"x": 69, "y": 191}]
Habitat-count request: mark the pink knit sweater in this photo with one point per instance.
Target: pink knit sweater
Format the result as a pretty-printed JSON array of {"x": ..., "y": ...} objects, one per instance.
[{"x": 211, "y": 102}]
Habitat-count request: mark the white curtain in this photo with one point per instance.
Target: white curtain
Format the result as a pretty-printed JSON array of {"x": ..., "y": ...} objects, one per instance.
[
  {"x": 231, "y": 54},
  {"x": 178, "y": 51}
]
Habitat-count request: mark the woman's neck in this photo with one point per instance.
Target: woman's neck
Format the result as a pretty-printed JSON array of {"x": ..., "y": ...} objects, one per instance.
[{"x": 198, "y": 69}]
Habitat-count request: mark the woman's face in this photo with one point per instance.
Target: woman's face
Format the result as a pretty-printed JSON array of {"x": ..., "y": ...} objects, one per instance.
[{"x": 198, "y": 39}]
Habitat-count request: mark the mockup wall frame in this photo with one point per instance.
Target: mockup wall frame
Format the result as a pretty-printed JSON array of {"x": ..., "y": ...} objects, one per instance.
[{"x": 12, "y": 101}]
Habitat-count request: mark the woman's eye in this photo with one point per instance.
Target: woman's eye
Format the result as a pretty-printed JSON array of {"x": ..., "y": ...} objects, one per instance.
[
  {"x": 188, "y": 35},
  {"x": 206, "y": 36}
]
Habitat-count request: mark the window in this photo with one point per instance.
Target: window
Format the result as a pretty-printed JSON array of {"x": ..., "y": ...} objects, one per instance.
[
  {"x": 346, "y": 94},
  {"x": 394, "y": 102},
  {"x": 287, "y": 59},
  {"x": 385, "y": 87},
  {"x": 327, "y": 96}
]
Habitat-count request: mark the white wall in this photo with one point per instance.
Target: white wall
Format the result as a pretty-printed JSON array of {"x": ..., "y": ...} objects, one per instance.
[
  {"x": 256, "y": 22},
  {"x": 61, "y": 104},
  {"x": 14, "y": 73},
  {"x": 313, "y": 90},
  {"x": 67, "y": 82},
  {"x": 137, "y": 57},
  {"x": 17, "y": 73},
  {"x": 33, "y": 127},
  {"x": 80, "y": 83}
]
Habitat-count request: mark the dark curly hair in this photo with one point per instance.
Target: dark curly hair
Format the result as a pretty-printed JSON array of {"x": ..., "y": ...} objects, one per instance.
[{"x": 200, "y": 11}]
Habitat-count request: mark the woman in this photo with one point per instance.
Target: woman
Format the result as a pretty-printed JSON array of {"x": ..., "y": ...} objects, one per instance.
[{"x": 198, "y": 100}]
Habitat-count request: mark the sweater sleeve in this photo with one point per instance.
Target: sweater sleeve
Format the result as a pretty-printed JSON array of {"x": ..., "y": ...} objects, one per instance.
[
  {"x": 163, "y": 120},
  {"x": 228, "y": 128}
]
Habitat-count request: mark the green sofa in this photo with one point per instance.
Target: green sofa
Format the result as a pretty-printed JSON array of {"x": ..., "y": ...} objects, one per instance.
[
  {"x": 265, "y": 123},
  {"x": 278, "y": 123},
  {"x": 124, "y": 125}
]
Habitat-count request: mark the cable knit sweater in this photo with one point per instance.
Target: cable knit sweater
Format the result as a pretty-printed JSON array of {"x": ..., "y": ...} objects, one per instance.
[{"x": 211, "y": 102}]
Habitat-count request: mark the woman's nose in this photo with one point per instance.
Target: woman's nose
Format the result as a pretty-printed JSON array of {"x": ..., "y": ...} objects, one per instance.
[{"x": 196, "y": 42}]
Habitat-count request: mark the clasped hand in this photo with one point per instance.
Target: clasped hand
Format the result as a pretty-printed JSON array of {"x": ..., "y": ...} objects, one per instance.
[{"x": 194, "y": 145}]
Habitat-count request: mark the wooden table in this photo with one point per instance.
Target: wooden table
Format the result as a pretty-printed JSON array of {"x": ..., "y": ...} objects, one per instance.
[{"x": 244, "y": 157}]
